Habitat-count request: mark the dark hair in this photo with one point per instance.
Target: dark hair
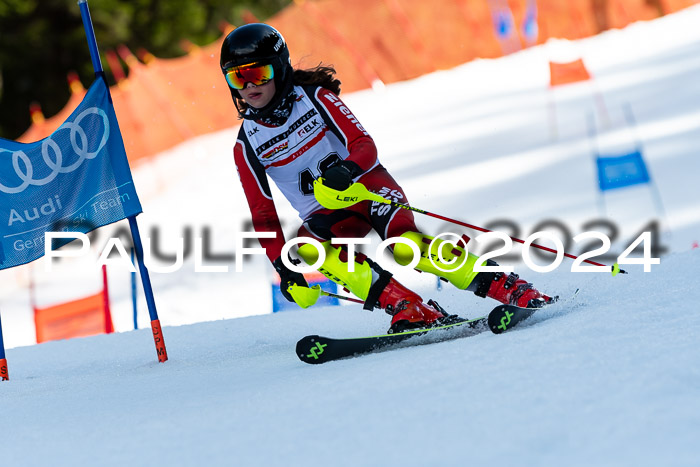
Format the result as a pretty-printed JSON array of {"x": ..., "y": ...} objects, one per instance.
[{"x": 321, "y": 75}]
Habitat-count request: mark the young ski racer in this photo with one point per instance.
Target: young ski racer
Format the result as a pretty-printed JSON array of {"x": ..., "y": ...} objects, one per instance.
[{"x": 296, "y": 130}]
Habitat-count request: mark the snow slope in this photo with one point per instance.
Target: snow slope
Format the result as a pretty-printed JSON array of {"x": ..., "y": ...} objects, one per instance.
[
  {"x": 611, "y": 379},
  {"x": 608, "y": 378}
]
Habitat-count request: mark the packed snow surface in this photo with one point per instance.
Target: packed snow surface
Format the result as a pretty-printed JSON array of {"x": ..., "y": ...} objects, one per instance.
[{"x": 609, "y": 376}]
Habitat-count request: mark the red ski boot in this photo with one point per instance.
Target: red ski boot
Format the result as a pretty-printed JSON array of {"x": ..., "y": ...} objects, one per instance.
[
  {"x": 407, "y": 308},
  {"x": 512, "y": 290}
]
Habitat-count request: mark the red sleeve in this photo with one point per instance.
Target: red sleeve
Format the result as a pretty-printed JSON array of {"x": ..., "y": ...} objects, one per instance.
[
  {"x": 259, "y": 196},
  {"x": 359, "y": 143}
]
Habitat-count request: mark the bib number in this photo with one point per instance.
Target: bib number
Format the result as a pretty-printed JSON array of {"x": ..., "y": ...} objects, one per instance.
[{"x": 307, "y": 178}]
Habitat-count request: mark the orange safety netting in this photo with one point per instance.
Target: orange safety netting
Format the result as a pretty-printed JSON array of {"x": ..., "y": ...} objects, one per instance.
[
  {"x": 78, "y": 318},
  {"x": 166, "y": 101}
]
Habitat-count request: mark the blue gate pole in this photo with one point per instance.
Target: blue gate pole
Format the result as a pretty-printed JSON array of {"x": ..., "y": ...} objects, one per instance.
[
  {"x": 90, "y": 33},
  {"x": 148, "y": 291}
]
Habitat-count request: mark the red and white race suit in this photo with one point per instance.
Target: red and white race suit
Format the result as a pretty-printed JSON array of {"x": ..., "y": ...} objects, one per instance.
[{"x": 320, "y": 131}]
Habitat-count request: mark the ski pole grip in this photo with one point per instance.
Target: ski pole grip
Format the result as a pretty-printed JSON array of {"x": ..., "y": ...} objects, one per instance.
[
  {"x": 304, "y": 296},
  {"x": 334, "y": 199}
]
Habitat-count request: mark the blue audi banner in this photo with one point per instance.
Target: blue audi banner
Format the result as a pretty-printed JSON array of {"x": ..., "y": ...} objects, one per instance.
[{"x": 75, "y": 180}]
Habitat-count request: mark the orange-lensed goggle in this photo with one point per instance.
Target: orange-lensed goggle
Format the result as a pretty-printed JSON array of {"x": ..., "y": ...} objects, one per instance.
[{"x": 254, "y": 73}]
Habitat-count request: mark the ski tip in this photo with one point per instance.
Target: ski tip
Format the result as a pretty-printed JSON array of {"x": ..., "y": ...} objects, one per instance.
[
  {"x": 310, "y": 349},
  {"x": 504, "y": 317}
]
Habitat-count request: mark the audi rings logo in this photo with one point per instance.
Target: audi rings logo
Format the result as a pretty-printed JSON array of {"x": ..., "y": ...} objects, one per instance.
[{"x": 79, "y": 141}]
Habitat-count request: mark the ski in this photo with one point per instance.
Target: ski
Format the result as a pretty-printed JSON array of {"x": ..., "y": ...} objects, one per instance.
[
  {"x": 505, "y": 317},
  {"x": 318, "y": 349}
]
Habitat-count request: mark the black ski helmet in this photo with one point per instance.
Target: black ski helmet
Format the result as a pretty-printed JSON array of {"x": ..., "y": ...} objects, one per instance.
[{"x": 258, "y": 42}]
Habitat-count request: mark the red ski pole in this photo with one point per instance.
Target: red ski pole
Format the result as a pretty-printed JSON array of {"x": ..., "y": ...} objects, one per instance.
[
  {"x": 342, "y": 297},
  {"x": 333, "y": 199}
]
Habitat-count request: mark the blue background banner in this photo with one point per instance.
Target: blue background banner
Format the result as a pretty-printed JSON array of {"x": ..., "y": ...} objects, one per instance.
[
  {"x": 76, "y": 180},
  {"x": 621, "y": 171}
]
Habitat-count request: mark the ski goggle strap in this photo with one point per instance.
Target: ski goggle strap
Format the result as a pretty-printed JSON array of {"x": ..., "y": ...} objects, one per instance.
[{"x": 238, "y": 76}]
